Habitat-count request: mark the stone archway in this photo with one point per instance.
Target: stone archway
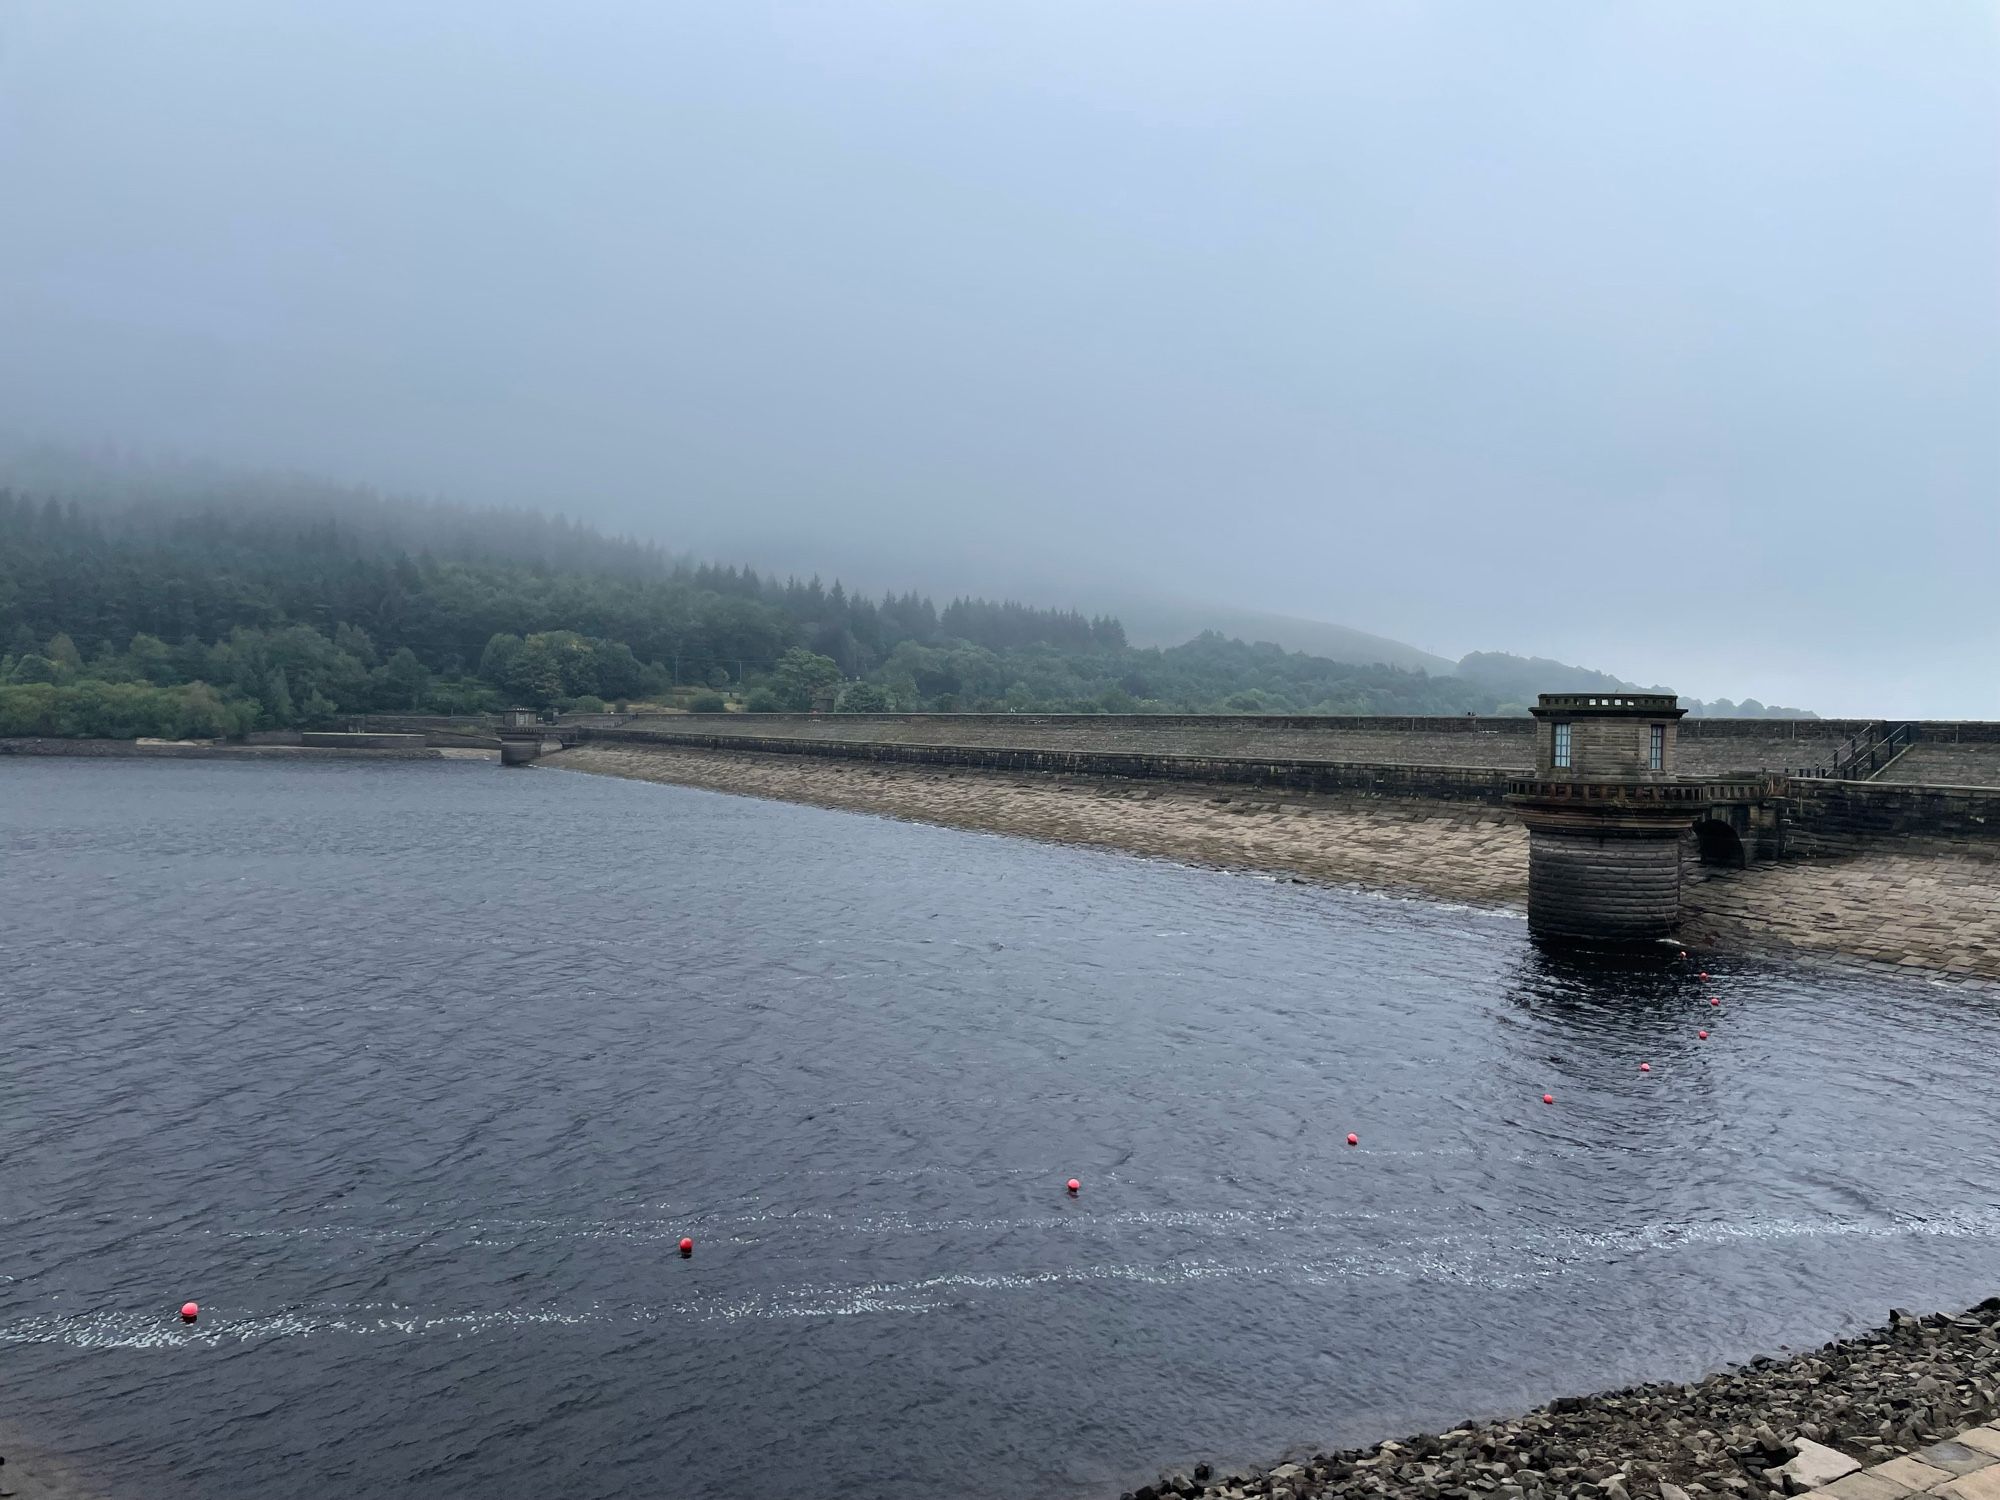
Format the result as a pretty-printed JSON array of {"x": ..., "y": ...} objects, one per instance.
[{"x": 1720, "y": 844}]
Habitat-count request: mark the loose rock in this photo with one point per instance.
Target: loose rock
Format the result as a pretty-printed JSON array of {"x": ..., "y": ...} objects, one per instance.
[{"x": 1753, "y": 1432}]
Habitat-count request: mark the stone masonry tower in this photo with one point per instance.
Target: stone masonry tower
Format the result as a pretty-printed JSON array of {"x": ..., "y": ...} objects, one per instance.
[{"x": 1605, "y": 816}]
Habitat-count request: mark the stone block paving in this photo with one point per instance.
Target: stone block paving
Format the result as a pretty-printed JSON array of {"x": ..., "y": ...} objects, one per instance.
[
  {"x": 1966, "y": 1467},
  {"x": 1933, "y": 909}
]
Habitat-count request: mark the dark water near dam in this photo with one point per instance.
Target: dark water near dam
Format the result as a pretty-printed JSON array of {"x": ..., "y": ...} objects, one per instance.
[{"x": 414, "y": 1074}]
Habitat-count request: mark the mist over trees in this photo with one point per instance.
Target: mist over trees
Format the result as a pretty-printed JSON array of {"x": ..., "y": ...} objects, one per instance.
[
  {"x": 210, "y": 615},
  {"x": 1517, "y": 679}
]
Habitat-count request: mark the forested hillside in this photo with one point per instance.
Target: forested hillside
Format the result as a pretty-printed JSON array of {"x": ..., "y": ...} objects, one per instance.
[{"x": 209, "y": 617}]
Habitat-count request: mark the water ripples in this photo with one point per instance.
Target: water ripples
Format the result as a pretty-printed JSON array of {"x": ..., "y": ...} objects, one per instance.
[{"x": 415, "y": 1074}]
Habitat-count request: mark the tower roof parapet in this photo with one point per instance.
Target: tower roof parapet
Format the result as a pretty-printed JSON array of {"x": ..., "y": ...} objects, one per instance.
[{"x": 1610, "y": 705}]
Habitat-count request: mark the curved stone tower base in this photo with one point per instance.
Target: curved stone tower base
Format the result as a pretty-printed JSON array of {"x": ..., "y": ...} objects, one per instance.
[{"x": 1606, "y": 886}]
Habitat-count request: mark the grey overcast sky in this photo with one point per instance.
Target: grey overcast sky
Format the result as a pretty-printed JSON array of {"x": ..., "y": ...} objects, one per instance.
[{"x": 1662, "y": 337}]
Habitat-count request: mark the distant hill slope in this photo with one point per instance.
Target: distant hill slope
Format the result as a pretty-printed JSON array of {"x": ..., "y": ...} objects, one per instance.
[
  {"x": 171, "y": 548},
  {"x": 1167, "y": 622},
  {"x": 1517, "y": 679}
]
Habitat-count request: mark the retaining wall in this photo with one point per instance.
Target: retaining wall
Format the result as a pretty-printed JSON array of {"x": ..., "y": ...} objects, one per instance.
[
  {"x": 1946, "y": 763},
  {"x": 330, "y": 740},
  {"x": 1840, "y": 817},
  {"x": 1441, "y": 782},
  {"x": 1706, "y": 747},
  {"x": 200, "y": 750}
]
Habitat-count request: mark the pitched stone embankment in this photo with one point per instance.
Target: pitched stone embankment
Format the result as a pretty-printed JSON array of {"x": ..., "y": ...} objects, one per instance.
[
  {"x": 1909, "y": 903},
  {"x": 1769, "y": 1428}
]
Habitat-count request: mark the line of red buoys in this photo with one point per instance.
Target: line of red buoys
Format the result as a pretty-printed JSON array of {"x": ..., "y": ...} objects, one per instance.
[{"x": 192, "y": 1310}]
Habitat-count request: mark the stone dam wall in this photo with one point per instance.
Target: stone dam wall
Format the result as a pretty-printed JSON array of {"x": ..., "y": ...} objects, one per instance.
[
  {"x": 1445, "y": 783},
  {"x": 1947, "y": 752},
  {"x": 1814, "y": 817},
  {"x": 1707, "y": 747}
]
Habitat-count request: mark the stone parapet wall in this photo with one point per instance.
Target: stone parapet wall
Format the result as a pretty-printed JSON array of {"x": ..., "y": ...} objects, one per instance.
[
  {"x": 1946, "y": 763},
  {"x": 1441, "y": 782},
  {"x": 1500, "y": 743},
  {"x": 1705, "y": 747},
  {"x": 1823, "y": 818},
  {"x": 336, "y": 740},
  {"x": 203, "y": 750},
  {"x": 419, "y": 723}
]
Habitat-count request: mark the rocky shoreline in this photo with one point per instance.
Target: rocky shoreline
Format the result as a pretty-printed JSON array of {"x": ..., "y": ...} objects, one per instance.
[
  {"x": 1917, "y": 907},
  {"x": 1769, "y": 1428}
]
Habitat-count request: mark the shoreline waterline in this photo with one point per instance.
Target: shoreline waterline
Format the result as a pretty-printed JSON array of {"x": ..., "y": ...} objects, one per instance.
[
  {"x": 1925, "y": 909},
  {"x": 1767, "y": 1427}
]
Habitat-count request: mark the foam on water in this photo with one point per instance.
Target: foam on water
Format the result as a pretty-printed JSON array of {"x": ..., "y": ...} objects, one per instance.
[{"x": 414, "y": 1076}]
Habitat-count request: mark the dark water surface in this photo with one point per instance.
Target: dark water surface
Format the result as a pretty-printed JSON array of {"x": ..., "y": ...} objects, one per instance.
[{"x": 413, "y": 1074}]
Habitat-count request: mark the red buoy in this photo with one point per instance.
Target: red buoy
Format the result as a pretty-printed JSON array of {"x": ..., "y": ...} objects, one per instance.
[
  {"x": 1353, "y": 1140},
  {"x": 1645, "y": 1067},
  {"x": 1715, "y": 999},
  {"x": 1548, "y": 1098},
  {"x": 190, "y": 1311},
  {"x": 687, "y": 1247},
  {"x": 1704, "y": 973},
  {"x": 1702, "y": 1034},
  {"x": 1073, "y": 1185}
]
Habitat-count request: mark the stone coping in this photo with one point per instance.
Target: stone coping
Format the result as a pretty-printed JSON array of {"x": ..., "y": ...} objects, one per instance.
[{"x": 1965, "y": 1467}]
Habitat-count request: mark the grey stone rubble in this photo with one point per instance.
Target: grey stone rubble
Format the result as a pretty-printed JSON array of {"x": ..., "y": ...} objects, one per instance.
[{"x": 1843, "y": 1420}]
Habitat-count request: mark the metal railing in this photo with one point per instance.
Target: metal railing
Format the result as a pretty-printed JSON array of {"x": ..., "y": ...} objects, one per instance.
[{"x": 1864, "y": 756}]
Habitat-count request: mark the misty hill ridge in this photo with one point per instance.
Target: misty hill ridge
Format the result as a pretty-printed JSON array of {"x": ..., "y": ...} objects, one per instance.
[
  {"x": 1158, "y": 622},
  {"x": 288, "y": 601}
]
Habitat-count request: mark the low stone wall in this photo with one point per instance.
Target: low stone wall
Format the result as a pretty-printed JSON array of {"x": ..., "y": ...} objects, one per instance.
[
  {"x": 418, "y": 723},
  {"x": 202, "y": 750},
  {"x": 1399, "y": 740},
  {"x": 1707, "y": 747},
  {"x": 129, "y": 749},
  {"x": 1946, "y": 763},
  {"x": 1440, "y": 782},
  {"x": 328, "y": 740},
  {"x": 1831, "y": 818}
]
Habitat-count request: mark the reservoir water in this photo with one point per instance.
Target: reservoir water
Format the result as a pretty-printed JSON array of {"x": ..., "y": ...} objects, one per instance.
[{"x": 414, "y": 1074}]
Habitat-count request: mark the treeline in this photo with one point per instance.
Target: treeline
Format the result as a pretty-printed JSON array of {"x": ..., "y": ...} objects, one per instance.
[
  {"x": 209, "y": 612},
  {"x": 304, "y": 615}
]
